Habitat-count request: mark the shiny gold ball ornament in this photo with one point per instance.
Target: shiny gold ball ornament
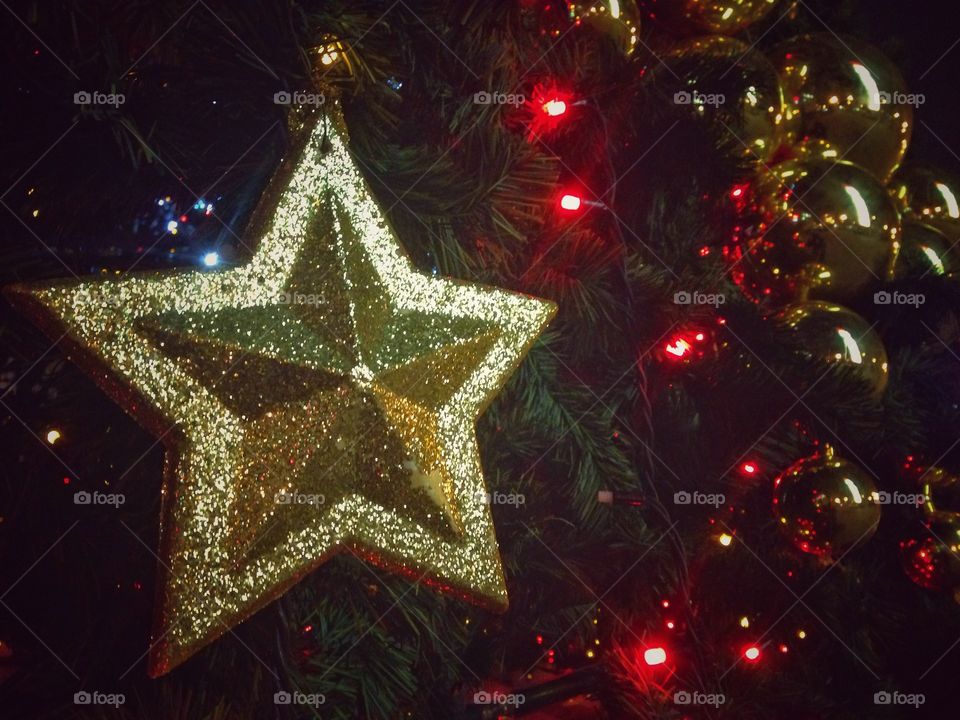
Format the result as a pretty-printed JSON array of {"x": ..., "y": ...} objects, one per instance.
[
  {"x": 727, "y": 17},
  {"x": 929, "y": 196},
  {"x": 846, "y": 93},
  {"x": 925, "y": 251},
  {"x": 941, "y": 491},
  {"x": 820, "y": 229},
  {"x": 837, "y": 336},
  {"x": 618, "y": 20},
  {"x": 931, "y": 556},
  {"x": 320, "y": 398},
  {"x": 727, "y": 82},
  {"x": 826, "y": 505}
]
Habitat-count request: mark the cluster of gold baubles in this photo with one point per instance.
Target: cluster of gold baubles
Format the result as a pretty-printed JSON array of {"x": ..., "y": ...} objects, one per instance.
[
  {"x": 828, "y": 506},
  {"x": 931, "y": 553},
  {"x": 828, "y": 121},
  {"x": 837, "y": 215},
  {"x": 620, "y": 20},
  {"x": 830, "y": 215}
]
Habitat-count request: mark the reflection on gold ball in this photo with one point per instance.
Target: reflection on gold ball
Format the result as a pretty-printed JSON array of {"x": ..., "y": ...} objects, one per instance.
[
  {"x": 814, "y": 149},
  {"x": 838, "y": 336},
  {"x": 826, "y": 505},
  {"x": 823, "y": 230},
  {"x": 930, "y": 196},
  {"x": 751, "y": 110},
  {"x": 727, "y": 16},
  {"x": 931, "y": 557},
  {"x": 925, "y": 251},
  {"x": 848, "y": 94},
  {"x": 619, "y": 21}
]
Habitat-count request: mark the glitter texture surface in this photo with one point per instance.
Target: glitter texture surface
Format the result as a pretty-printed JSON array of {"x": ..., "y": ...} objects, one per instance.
[{"x": 322, "y": 396}]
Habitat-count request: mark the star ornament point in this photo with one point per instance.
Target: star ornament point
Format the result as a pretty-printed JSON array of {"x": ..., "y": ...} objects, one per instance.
[{"x": 320, "y": 398}]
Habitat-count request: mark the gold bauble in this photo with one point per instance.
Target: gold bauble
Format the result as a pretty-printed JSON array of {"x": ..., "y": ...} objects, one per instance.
[
  {"x": 930, "y": 196},
  {"x": 729, "y": 83},
  {"x": 931, "y": 557},
  {"x": 619, "y": 21},
  {"x": 838, "y": 336},
  {"x": 941, "y": 491},
  {"x": 826, "y": 505},
  {"x": 819, "y": 230},
  {"x": 848, "y": 94},
  {"x": 727, "y": 16},
  {"x": 925, "y": 251}
]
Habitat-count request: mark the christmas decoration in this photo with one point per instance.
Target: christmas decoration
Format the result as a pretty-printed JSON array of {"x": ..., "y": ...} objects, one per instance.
[
  {"x": 727, "y": 16},
  {"x": 571, "y": 202},
  {"x": 929, "y": 196},
  {"x": 629, "y": 461},
  {"x": 924, "y": 251},
  {"x": 330, "y": 52},
  {"x": 690, "y": 344},
  {"x": 824, "y": 230},
  {"x": 826, "y": 504},
  {"x": 845, "y": 92},
  {"x": 837, "y": 336},
  {"x": 618, "y": 20},
  {"x": 321, "y": 396},
  {"x": 731, "y": 85},
  {"x": 941, "y": 491},
  {"x": 655, "y": 656},
  {"x": 931, "y": 557}
]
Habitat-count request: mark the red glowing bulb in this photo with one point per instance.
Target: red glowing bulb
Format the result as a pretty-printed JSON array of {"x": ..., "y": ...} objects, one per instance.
[
  {"x": 570, "y": 202},
  {"x": 748, "y": 468},
  {"x": 655, "y": 656},
  {"x": 752, "y": 653},
  {"x": 555, "y": 107},
  {"x": 678, "y": 348}
]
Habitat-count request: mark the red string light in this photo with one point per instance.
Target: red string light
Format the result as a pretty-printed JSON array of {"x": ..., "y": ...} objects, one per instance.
[
  {"x": 571, "y": 202},
  {"x": 678, "y": 348},
  {"x": 655, "y": 656},
  {"x": 554, "y": 107}
]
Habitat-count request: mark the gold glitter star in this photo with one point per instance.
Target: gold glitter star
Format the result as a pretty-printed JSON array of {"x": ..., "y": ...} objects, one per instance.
[{"x": 320, "y": 397}]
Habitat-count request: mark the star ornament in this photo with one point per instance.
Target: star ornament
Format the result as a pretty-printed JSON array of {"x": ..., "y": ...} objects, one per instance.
[{"x": 320, "y": 398}]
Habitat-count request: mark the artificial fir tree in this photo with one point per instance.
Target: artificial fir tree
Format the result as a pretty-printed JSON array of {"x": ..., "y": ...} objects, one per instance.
[{"x": 723, "y": 482}]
